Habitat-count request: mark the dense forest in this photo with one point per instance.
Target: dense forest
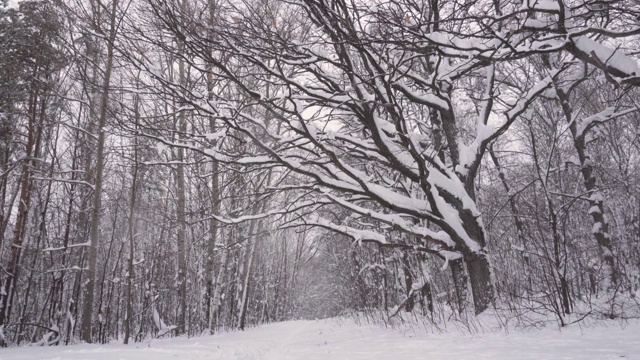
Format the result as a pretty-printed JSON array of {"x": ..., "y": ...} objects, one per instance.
[{"x": 180, "y": 167}]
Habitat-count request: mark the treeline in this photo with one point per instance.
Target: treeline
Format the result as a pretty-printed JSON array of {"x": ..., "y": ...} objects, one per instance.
[{"x": 183, "y": 167}]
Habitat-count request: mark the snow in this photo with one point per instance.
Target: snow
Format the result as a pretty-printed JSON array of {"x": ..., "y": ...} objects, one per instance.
[
  {"x": 595, "y": 209},
  {"x": 343, "y": 339},
  {"x": 357, "y": 234},
  {"x": 541, "y": 5},
  {"x": 611, "y": 57},
  {"x": 601, "y": 117},
  {"x": 160, "y": 325},
  {"x": 161, "y": 147},
  {"x": 597, "y": 228},
  {"x": 392, "y": 219},
  {"x": 424, "y": 97},
  {"x": 574, "y": 160},
  {"x": 11, "y": 5},
  {"x": 67, "y": 247},
  {"x": 596, "y": 197},
  {"x": 452, "y": 40},
  {"x": 524, "y": 101},
  {"x": 537, "y": 23},
  {"x": 216, "y": 135},
  {"x": 450, "y": 214}
]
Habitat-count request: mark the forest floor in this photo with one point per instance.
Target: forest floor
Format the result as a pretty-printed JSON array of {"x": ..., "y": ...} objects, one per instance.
[{"x": 344, "y": 339}]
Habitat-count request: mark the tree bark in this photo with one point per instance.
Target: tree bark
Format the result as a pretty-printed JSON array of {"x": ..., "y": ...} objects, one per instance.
[
  {"x": 217, "y": 289},
  {"x": 131, "y": 234},
  {"x": 479, "y": 270},
  {"x": 181, "y": 217},
  {"x": 213, "y": 234},
  {"x": 600, "y": 229},
  {"x": 460, "y": 281},
  {"x": 33, "y": 138},
  {"x": 87, "y": 310}
]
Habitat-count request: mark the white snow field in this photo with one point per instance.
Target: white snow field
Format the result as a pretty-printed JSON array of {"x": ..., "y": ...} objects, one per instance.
[{"x": 343, "y": 339}]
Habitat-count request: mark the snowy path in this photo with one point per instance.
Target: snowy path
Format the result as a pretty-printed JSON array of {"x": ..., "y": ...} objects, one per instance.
[{"x": 330, "y": 339}]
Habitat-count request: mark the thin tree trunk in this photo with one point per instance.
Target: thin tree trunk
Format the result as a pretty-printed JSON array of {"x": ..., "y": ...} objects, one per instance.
[
  {"x": 557, "y": 265},
  {"x": 213, "y": 234},
  {"x": 248, "y": 266},
  {"x": 131, "y": 233},
  {"x": 600, "y": 229},
  {"x": 181, "y": 203},
  {"x": 408, "y": 282},
  {"x": 215, "y": 210},
  {"x": 104, "y": 274},
  {"x": 515, "y": 213},
  {"x": 181, "y": 217},
  {"x": 10, "y": 280},
  {"x": 42, "y": 224},
  {"x": 244, "y": 300},
  {"x": 87, "y": 310},
  {"x": 459, "y": 275},
  {"x": 217, "y": 289}
]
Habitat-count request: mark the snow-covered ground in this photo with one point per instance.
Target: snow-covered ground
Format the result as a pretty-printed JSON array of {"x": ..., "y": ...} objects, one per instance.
[{"x": 343, "y": 339}]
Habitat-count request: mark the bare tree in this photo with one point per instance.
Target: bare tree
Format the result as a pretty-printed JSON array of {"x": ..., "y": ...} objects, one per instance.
[{"x": 88, "y": 303}]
